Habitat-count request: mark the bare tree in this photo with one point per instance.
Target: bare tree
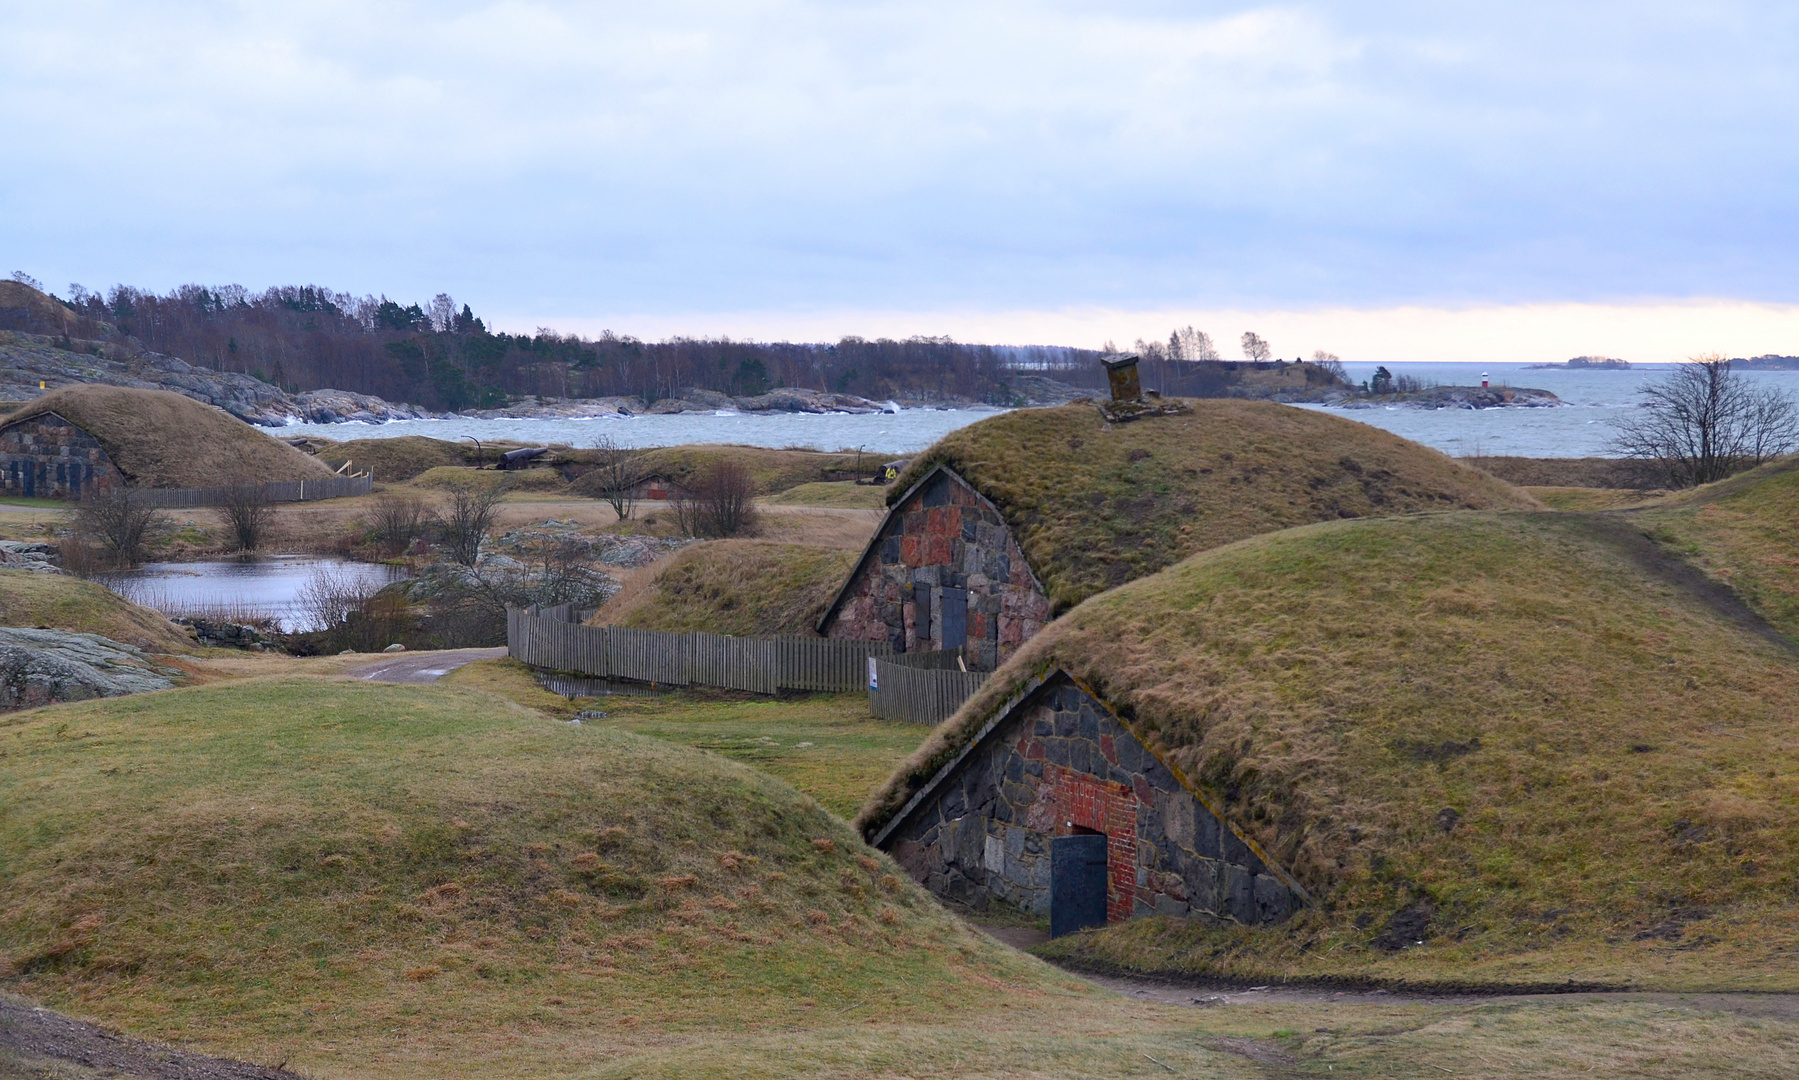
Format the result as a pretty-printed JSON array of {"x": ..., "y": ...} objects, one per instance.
[
  {"x": 722, "y": 503},
  {"x": 1194, "y": 346},
  {"x": 1255, "y": 347},
  {"x": 248, "y": 513},
  {"x": 120, "y": 521},
  {"x": 397, "y": 521},
  {"x": 617, "y": 475},
  {"x": 468, "y": 517},
  {"x": 1705, "y": 421}
]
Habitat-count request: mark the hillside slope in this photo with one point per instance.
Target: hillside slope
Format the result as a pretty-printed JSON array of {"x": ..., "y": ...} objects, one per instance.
[
  {"x": 84, "y": 607},
  {"x": 1096, "y": 505},
  {"x": 748, "y": 588},
  {"x": 1514, "y": 738}
]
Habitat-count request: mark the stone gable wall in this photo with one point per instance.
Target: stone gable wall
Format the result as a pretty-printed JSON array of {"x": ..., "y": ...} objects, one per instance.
[
  {"x": 1061, "y": 764},
  {"x": 47, "y": 457},
  {"x": 944, "y": 536}
]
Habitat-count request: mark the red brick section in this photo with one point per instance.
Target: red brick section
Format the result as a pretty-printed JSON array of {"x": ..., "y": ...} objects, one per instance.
[{"x": 1104, "y": 807}]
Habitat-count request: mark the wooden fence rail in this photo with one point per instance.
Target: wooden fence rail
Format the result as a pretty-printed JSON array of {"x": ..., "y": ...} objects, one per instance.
[
  {"x": 925, "y": 688},
  {"x": 758, "y": 665},
  {"x": 336, "y": 487}
]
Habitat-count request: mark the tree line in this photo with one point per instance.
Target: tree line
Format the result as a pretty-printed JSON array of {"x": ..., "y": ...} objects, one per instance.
[{"x": 443, "y": 356}]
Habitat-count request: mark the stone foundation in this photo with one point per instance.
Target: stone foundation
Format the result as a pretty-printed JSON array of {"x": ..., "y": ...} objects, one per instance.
[
  {"x": 46, "y": 457},
  {"x": 1061, "y": 764}
]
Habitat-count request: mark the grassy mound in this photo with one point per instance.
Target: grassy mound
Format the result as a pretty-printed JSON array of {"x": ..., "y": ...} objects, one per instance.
[
  {"x": 1095, "y": 507},
  {"x": 163, "y": 440},
  {"x": 65, "y": 603},
  {"x": 1743, "y": 531},
  {"x": 838, "y": 494},
  {"x": 448, "y": 476},
  {"x": 771, "y": 470},
  {"x": 1527, "y": 740},
  {"x": 747, "y": 588},
  {"x": 394, "y": 460},
  {"x": 390, "y": 880}
]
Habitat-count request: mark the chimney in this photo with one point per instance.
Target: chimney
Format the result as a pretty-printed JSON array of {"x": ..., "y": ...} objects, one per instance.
[{"x": 1122, "y": 374}]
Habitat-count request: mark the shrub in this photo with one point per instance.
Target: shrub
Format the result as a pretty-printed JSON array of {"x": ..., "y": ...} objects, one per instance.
[
  {"x": 119, "y": 522},
  {"x": 722, "y": 504},
  {"x": 248, "y": 513},
  {"x": 468, "y": 517}
]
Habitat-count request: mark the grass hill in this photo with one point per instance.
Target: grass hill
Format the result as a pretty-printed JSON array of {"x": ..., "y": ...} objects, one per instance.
[
  {"x": 161, "y": 439},
  {"x": 1743, "y": 531},
  {"x": 1096, "y": 505},
  {"x": 771, "y": 470},
  {"x": 425, "y": 881},
  {"x": 1529, "y": 740},
  {"x": 748, "y": 588},
  {"x": 65, "y": 603},
  {"x": 395, "y": 460}
]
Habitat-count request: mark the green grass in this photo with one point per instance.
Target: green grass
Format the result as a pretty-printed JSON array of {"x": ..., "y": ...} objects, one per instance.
[
  {"x": 825, "y": 745},
  {"x": 747, "y": 588},
  {"x": 1744, "y": 532},
  {"x": 1617, "y": 752},
  {"x": 1095, "y": 505},
  {"x": 68, "y": 603},
  {"x": 842, "y": 494},
  {"x": 1585, "y": 499}
]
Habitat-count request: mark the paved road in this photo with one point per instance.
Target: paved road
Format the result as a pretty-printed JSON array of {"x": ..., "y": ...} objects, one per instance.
[{"x": 422, "y": 667}]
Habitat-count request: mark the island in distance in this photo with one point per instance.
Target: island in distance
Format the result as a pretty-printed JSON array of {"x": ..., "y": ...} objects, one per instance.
[{"x": 1593, "y": 363}]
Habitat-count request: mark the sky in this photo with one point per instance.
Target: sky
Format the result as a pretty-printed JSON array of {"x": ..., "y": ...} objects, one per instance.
[{"x": 1387, "y": 181}]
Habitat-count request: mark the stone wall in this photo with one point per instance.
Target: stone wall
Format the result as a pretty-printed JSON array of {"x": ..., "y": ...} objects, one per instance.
[
  {"x": 1061, "y": 764},
  {"x": 945, "y": 546},
  {"x": 47, "y": 457}
]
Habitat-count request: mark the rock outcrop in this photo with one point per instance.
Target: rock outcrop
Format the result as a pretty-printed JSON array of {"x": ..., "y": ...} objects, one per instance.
[{"x": 42, "y": 667}]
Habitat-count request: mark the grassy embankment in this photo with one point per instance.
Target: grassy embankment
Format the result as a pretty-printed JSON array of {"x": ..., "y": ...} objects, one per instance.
[
  {"x": 1574, "y": 759},
  {"x": 383, "y": 881},
  {"x": 1094, "y": 508},
  {"x": 838, "y": 494},
  {"x": 743, "y": 587},
  {"x": 66, "y": 603}
]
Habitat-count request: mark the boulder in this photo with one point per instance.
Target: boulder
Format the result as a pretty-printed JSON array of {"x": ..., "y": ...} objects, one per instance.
[{"x": 42, "y": 667}]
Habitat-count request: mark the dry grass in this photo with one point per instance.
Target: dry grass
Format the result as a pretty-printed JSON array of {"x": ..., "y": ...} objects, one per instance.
[
  {"x": 1631, "y": 474},
  {"x": 1095, "y": 507},
  {"x": 1615, "y": 747},
  {"x": 747, "y": 588},
  {"x": 1743, "y": 531},
  {"x": 161, "y": 439},
  {"x": 771, "y": 470},
  {"x": 443, "y": 477},
  {"x": 398, "y": 459},
  {"x": 1585, "y": 499},
  {"x": 65, "y": 603},
  {"x": 843, "y": 494}
]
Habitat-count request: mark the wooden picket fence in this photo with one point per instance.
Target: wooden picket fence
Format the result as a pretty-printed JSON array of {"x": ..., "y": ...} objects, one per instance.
[
  {"x": 758, "y": 665},
  {"x": 285, "y": 491},
  {"x": 925, "y": 688}
]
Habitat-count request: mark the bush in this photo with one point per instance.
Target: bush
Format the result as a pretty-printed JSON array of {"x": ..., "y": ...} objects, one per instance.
[
  {"x": 721, "y": 505},
  {"x": 248, "y": 513},
  {"x": 117, "y": 521},
  {"x": 396, "y": 521},
  {"x": 468, "y": 517}
]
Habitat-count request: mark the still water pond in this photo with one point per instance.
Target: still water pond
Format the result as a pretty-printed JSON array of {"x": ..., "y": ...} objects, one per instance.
[{"x": 240, "y": 589}]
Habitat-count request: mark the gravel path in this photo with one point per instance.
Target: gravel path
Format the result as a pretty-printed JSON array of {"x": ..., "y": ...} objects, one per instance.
[
  {"x": 38, "y": 1043},
  {"x": 422, "y": 667}
]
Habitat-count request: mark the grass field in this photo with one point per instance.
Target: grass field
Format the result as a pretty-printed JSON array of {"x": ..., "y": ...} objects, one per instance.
[
  {"x": 824, "y": 745},
  {"x": 748, "y": 588},
  {"x": 840, "y": 493},
  {"x": 67, "y": 603}
]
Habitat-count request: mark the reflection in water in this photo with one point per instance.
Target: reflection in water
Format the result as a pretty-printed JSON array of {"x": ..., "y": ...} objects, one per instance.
[
  {"x": 242, "y": 590},
  {"x": 580, "y": 686}
]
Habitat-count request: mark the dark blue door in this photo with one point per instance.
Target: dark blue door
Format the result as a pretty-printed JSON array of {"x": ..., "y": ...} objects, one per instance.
[
  {"x": 1077, "y": 883},
  {"x": 955, "y": 618}
]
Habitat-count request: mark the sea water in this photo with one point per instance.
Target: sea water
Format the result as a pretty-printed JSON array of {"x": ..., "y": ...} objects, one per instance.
[{"x": 1593, "y": 400}]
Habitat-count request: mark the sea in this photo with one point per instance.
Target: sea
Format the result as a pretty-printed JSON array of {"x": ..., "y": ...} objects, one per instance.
[{"x": 1582, "y": 426}]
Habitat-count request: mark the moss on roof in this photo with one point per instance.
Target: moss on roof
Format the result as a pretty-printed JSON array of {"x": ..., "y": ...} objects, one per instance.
[
  {"x": 160, "y": 439},
  {"x": 1095, "y": 506},
  {"x": 1569, "y": 750}
]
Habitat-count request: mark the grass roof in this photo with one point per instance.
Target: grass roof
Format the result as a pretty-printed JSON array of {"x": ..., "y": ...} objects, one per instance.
[
  {"x": 1095, "y": 505},
  {"x": 423, "y": 881},
  {"x": 160, "y": 439},
  {"x": 1569, "y": 751},
  {"x": 56, "y": 602}
]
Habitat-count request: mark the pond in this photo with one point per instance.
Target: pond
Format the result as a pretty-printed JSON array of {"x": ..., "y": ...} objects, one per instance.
[{"x": 242, "y": 590}]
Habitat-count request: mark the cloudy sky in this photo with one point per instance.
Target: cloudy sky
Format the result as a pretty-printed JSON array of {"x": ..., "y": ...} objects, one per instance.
[{"x": 1387, "y": 180}]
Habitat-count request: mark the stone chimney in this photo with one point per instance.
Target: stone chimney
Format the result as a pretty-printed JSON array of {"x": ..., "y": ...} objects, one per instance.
[{"x": 1121, "y": 372}]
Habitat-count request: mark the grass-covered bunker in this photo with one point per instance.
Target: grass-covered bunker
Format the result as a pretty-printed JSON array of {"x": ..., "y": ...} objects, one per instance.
[
  {"x": 1006, "y": 523},
  {"x": 77, "y": 440},
  {"x": 1491, "y": 748}
]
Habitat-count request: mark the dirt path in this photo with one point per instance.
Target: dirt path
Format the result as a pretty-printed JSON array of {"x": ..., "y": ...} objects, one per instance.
[
  {"x": 37, "y": 1043},
  {"x": 422, "y": 667}
]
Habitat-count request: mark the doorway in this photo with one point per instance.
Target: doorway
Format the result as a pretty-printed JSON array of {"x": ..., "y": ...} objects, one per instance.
[{"x": 1077, "y": 882}]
